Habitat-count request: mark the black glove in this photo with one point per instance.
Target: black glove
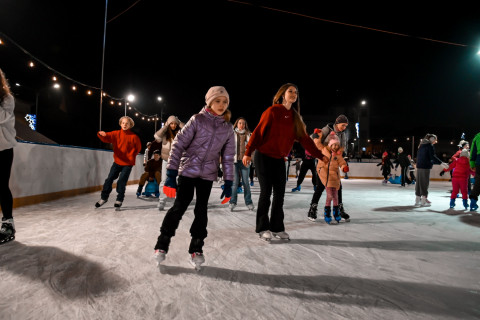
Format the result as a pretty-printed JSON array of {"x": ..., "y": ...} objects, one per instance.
[
  {"x": 442, "y": 173},
  {"x": 227, "y": 189}
]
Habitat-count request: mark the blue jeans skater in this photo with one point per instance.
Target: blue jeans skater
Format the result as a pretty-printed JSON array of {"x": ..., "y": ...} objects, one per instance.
[
  {"x": 245, "y": 172},
  {"x": 120, "y": 172}
]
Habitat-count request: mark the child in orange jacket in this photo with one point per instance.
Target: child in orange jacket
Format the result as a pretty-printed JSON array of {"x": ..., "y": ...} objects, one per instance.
[
  {"x": 126, "y": 146},
  {"x": 330, "y": 176}
]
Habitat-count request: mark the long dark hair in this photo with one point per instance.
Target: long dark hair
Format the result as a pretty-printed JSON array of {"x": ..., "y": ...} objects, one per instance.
[
  {"x": 170, "y": 134},
  {"x": 247, "y": 130},
  {"x": 299, "y": 125},
  {"x": 4, "y": 87}
]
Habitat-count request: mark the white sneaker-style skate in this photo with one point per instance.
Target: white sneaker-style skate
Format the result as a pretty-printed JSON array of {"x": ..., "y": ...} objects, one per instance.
[
  {"x": 281, "y": 235},
  {"x": 251, "y": 207},
  {"x": 425, "y": 202},
  {"x": 265, "y": 235},
  {"x": 161, "y": 204},
  {"x": 197, "y": 259},
  {"x": 418, "y": 201},
  {"x": 100, "y": 203},
  {"x": 160, "y": 256}
]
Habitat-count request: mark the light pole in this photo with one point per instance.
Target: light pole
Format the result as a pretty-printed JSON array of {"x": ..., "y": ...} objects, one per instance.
[{"x": 357, "y": 125}]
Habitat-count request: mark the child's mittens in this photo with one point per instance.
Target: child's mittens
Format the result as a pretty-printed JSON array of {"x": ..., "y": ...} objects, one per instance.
[{"x": 346, "y": 169}]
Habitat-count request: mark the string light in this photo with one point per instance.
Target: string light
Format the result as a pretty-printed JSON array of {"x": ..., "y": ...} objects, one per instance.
[
  {"x": 31, "y": 64},
  {"x": 74, "y": 88}
]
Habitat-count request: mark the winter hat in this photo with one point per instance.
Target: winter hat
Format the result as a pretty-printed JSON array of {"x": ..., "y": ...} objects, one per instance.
[
  {"x": 431, "y": 137},
  {"x": 157, "y": 152},
  {"x": 173, "y": 119},
  {"x": 462, "y": 143},
  {"x": 341, "y": 119},
  {"x": 384, "y": 154},
  {"x": 465, "y": 153},
  {"x": 400, "y": 149},
  {"x": 215, "y": 92}
]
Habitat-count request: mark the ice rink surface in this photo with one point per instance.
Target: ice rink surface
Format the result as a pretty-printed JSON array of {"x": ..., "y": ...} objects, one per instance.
[{"x": 392, "y": 261}]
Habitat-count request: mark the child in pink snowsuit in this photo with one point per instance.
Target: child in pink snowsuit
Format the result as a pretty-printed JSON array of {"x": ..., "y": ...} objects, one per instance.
[{"x": 460, "y": 177}]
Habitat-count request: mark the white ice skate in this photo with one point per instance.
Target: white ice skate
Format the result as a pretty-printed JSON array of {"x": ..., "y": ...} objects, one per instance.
[
  {"x": 160, "y": 256},
  {"x": 196, "y": 260},
  {"x": 117, "y": 205},
  {"x": 425, "y": 202},
  {"x": 282, "y": 235},
  {"x": 100, "y": 203},
  {"x": 265, "y": 235},
  {"x": 418, "y": 201},
  {"x": 251, "y": 207},
  {"x": 161, "y": 204}
]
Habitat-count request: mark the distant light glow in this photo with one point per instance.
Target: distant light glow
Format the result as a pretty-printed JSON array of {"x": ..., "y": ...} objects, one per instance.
[
  {"x": 159, "y": 98},
  {"x": 131, "y": 98},
  {"x": 54, "y": 78},
  {"x": 89, "y": 92},
  {"x": 119, "y": 103},
  {"x": 56, "y": 86},
  {"x": 17, "y": 84},
  {"x": 31, "y": 64},
  {"x": 74, "y": 88},
  {"x": 364, "y": 102},
  {"x": 111, "y": 102}
]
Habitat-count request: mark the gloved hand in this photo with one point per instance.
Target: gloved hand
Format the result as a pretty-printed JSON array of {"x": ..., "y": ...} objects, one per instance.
[
  {"x": 227, "y": 191},
  {"x": 346, "y": 169},
  {"x": 170, "y": 186},
  {"x": 442, "y": 173}
]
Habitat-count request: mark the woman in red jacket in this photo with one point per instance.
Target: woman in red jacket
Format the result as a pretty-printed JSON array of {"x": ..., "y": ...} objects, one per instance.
[{"x": 280, "y": 125}]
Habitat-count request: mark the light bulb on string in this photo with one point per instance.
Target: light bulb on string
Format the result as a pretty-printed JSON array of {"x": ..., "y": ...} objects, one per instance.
[
  {"x": 54, "y": 78},
  {"x": 31, "y": 64},
  {"x": 74, "y": 88}
]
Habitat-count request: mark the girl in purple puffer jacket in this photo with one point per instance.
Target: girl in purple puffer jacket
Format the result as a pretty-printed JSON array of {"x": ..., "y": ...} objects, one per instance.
[{"x": 194, "y": 157}]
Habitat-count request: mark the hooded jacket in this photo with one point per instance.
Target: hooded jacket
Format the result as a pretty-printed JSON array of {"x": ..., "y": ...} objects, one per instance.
[
  {"x": 197, "y": 148},
  {"x": 475, "y": 151},
  {"x": 7, "y": 123},
  {"x": 161, "y": 142},
  {"x": 426, "y": 155},
  {"x": 328, "y": 172},
  {"x": 462, "y": 168}
]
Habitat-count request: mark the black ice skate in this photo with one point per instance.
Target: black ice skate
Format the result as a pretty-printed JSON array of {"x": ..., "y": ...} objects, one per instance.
[
  {"x": 7, "y": 231},
  {"x": 117, "y": 205},
  {"x": 312, "y": 212},
  {"x": 343, "y": 214},
  {"x": 100, "y": 203}
]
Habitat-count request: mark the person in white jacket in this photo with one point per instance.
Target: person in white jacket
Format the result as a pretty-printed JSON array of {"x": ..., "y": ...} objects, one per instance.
[{"x": 7, "y": 142}]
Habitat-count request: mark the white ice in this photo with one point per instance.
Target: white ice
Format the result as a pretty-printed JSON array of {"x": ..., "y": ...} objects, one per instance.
[{"x": 392, "y": 261}]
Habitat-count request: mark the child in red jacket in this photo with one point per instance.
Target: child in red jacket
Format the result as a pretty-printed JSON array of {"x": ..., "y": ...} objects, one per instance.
[
  {"x": 460, "y": 177},
  {"x": 126, "y": 146}
]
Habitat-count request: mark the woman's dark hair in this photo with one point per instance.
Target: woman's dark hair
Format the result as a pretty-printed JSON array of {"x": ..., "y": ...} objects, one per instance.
[
  {"x": 170, "y": 134},
  {"x": 247, "y": 130},
  {"x": 299, "y": 125}
]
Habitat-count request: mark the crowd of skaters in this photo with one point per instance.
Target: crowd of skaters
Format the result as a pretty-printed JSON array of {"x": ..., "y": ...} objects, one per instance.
[{"x": 187, "y": 157}]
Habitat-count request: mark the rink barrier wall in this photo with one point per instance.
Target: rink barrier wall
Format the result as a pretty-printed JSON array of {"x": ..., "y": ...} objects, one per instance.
[
  {"x": 46, "y": 172},
  {"x": 369, "y": 170}
]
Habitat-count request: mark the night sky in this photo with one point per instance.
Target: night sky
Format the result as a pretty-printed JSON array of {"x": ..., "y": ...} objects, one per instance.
[{"x": 178, "y": 49}]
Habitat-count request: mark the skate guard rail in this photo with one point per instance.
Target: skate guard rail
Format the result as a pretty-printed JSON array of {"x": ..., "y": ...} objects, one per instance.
[{"x": 45, "y": 172}]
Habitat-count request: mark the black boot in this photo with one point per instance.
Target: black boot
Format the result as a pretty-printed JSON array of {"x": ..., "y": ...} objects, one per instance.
[
  {"x": 312, "y": 212},
  {"x": 196, "y": 245},
  {"x": 163, "y": 243},
  {"x": 343, "y": 214}
]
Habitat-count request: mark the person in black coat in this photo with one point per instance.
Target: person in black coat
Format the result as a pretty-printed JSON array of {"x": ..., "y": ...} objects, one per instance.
[
  {"x": 403, "y": 162},
  {"x": 386, "y": 166}
]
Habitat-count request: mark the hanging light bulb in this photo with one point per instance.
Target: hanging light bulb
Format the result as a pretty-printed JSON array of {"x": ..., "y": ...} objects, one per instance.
[
  {"x": 74, "y": 88},
  {"x": 31, "y": 64}
]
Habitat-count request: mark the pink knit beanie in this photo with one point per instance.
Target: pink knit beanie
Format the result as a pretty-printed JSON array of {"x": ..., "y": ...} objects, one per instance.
[{"x": 215, "y": 92}]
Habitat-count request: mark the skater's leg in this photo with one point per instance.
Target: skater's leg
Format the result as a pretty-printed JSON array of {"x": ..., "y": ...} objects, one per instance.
[
  {"x": 236, "y": 167},
  {"x": 312, "y": 168},
  {"x": 277, "y": 215},
  {"x": 185, "y": 191},
  {"x": 158, "y": 177},
  {"x": 463, "y": 186},
  {"x": 247, "y": 195},
  {"x": 455, "y": 188},
  {"x": 263, "y": 168},
  {"x": 122, "y": 182},
  {"x": 318, "y": 192},
  {"x": 107, "y": 185},
  {"x": 423, "y": 181},
  {"x": 6, "y": 199},
  {"x": 164, "y": 171},
  {"x": 143, "y": 179},
  {"x": 198, "y": 230},
  {"x": 340, "y": 194},
  {"x": 303, "y": 172},
  {"x": 476, "y": 186}
]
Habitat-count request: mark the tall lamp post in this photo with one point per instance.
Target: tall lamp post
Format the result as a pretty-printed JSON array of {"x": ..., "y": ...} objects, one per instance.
[{"x": 357, "y": 125}]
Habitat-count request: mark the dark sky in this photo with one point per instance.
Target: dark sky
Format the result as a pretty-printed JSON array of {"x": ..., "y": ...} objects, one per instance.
[{"x": 178, "y": 49}]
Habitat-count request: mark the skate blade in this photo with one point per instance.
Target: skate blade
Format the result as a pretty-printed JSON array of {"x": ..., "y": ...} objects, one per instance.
[
  {"x": 9, "y": 239},
  {"x": 311, "y": 219},
  {"x": 197, "y": 267},
  {"x": 117, "y": 208},
  {"x": 347, "y": 220}
]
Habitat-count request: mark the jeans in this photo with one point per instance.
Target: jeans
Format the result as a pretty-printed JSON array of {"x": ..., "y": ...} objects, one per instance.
[
  {"x": 6, "y": 199},
  {"x": 120, "y": 172},
  {"x": 271, "y": 176},
  {"x": 244, "y": 171}
]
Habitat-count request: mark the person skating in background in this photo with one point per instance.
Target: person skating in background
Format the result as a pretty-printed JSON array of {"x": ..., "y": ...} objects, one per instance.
[
  {"x": 242, "y": 135},
  {"x": 195, "y": 156},
  {"x": 330, "y": 176},
  {"x": 163, "y": 142},
  {"x": 145, "y": 154},
  {"x": 411, "y": 169},
  {"x": 297, "y": 165},
  {"x": 460, "y": 177},
  {"x": 308, "y": 163},
  {"x": 252, "y": 171},
  {"x": 7, "y": 143},
  {"x": 279, "y": 126},
  {"x": 386, "y": 167},
  {"x": 153, "y": 171},
  {"x": 404, "y": 163},
  {"x": 320, "y": 138},
  {"x": 475, "y": 164},
  {"x": 426, "y": 158},
  {"x": 126, "y": 146}
]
